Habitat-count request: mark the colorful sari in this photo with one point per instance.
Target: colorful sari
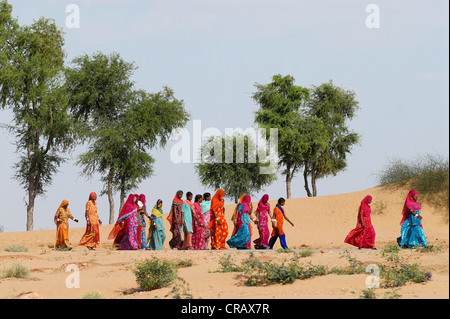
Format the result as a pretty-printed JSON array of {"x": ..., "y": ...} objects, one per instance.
[
  {"x": 157, "y": 234},
  {"x": 141, "y": 229},
  {"x": 262, "y": 213},
  {"x": 91, "y": 237},
  {"x": 125, "y": 230},
  {"x": 198, "y": 237},
  {"x": 176, "y": 222},
  {"x": 61, "y": 220},
  {"x": 363, "y": 237},
  {"x": 242, "y": 238},
  {"x": 234, "y": 217},
  {"x": 412, "y": 234},
  {"x": 206, "y": 206},
  {"x": 218, "y": 226},
  {"x": 187, "y": 208}
]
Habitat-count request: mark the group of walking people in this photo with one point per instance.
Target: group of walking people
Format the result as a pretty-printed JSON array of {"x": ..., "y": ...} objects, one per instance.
[
  {"x": 411, "y": 232},
  {"x": 197, "y": 224},
  {"x": 200, "y": 224},
  {"x": 204, "y": 225}
]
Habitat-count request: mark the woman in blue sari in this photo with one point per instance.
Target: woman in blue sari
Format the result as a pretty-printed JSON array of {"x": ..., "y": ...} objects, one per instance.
[
  {"x": 412, "y": 234},
  {"x": 242, "y": 238},
  {"x": 157, "y": 233}
]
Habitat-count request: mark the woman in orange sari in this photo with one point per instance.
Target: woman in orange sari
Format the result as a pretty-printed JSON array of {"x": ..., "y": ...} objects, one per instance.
[
  {"x": 91, "y": 238},
  {"x": 62, "y": 223},
  {"x": 218, "y": 225}
]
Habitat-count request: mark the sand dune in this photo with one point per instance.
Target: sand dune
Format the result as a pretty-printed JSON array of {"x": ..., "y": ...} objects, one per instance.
[{"x": 320, "y": 223}]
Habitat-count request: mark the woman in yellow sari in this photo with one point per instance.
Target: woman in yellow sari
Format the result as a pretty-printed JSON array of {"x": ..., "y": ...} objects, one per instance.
[
  {"x": 91, "y": 238},
  {"x": 62, "y": 225}
]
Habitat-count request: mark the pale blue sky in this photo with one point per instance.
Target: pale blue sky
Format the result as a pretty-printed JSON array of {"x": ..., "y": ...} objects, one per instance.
[{"x": 211, "y": 53}]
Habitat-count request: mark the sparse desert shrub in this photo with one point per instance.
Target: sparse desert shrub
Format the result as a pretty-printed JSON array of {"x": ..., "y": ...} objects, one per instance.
[
  {"x": 228, "y": 265},
  {"x": 427, "y": 174},
  {"x": 155, "y": 273},
  {"x": 15, "y": 271},
  {"x": 399, "y": 274},
  {"x": 93, "y": 295},
  {"x": 16, "y": 248}
]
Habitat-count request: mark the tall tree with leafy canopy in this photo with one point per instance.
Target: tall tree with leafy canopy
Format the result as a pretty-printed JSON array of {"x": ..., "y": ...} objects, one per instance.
[
  {"x": 232, "y": 163},
  {"x": 311, "y": 123},
  {"x": 334, "y": 106},
  {"x": 32, "y": 87},
  {"x": 123, "y": 124},
  {"x": 281, "y": 106}
]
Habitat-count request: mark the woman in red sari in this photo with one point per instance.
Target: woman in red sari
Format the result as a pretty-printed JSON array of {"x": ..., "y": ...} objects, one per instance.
[
  {"x": 91, "y": 238},
  {"x": 363, "y": 236},
  {"x": 218, "y": 225}
]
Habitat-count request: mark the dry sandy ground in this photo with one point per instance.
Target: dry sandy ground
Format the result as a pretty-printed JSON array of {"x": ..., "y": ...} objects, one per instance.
[{"x": 321, "y": 224}]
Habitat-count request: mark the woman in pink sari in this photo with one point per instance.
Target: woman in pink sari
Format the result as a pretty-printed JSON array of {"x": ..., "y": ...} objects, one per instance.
[
  {"x": 125, "y": 230},
  {"x": 199, "y": 235},
  {"x": 363, "y": 236},
  {"x": 262, "y": 220}
]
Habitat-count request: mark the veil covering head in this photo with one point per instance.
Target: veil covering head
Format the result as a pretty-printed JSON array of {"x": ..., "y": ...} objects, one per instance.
[
  {"x": 264, "y": 203},
  {"x": 217, "y": 198},
  {"x": 63, "y": 203},
  {"x": 234, "y": 216},
  {"x": 410, "y": 204},
  {"x": 364, "y": 206}
]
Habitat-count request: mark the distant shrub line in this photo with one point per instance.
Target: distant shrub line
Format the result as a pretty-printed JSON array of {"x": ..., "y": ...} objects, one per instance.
[{"x": 427, "y": 174}]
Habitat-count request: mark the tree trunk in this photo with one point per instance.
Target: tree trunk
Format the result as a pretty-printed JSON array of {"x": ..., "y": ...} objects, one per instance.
[
  {"x": 30, "y": 206},
  {"x": 305, "y": 178},
  {"x": 122, "y": 197},
  {"x": 313, "y": 182},
  {"x": 288, "y": 185},
  {"x": 31, "y": 197},
  {"x": 110, "y": 196}
]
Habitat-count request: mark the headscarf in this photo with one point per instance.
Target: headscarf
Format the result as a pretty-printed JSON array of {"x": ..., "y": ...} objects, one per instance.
[
  {"x": 63, "y": 203},
  {"x": 92, "y": 195},
  {"x": 246, "y": 203},
  {"x": 234, "y": 216},
  {"x": 217, "y": 199},
  {"x": 178, "y": 202},
  {"x": 143, "y": 201},
  {"x": 364, "y": 206},
  {"x": 263, "y": 204},
  {"x": 410, "y": 204},
  {"x": 127, "y": 209},
  {"x": 157, "y": 209}
]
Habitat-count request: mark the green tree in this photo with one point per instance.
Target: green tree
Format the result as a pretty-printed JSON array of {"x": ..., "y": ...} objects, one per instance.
[
  {"x": 232, "y": 163},
  {"x": 334, "y": 106},
  {"x": 281, "y": 106},
  {"x": 123, "y": 124},
  {"x": 32, "y": 86},
  {"x": 311, "y": 123}
]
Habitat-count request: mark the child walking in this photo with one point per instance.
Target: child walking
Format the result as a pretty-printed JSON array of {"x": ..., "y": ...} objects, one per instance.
[{"x": 279, "y": 215}]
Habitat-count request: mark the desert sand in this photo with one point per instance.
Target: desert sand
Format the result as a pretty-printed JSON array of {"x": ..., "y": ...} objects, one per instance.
[{"x": 321, "y": 224}]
